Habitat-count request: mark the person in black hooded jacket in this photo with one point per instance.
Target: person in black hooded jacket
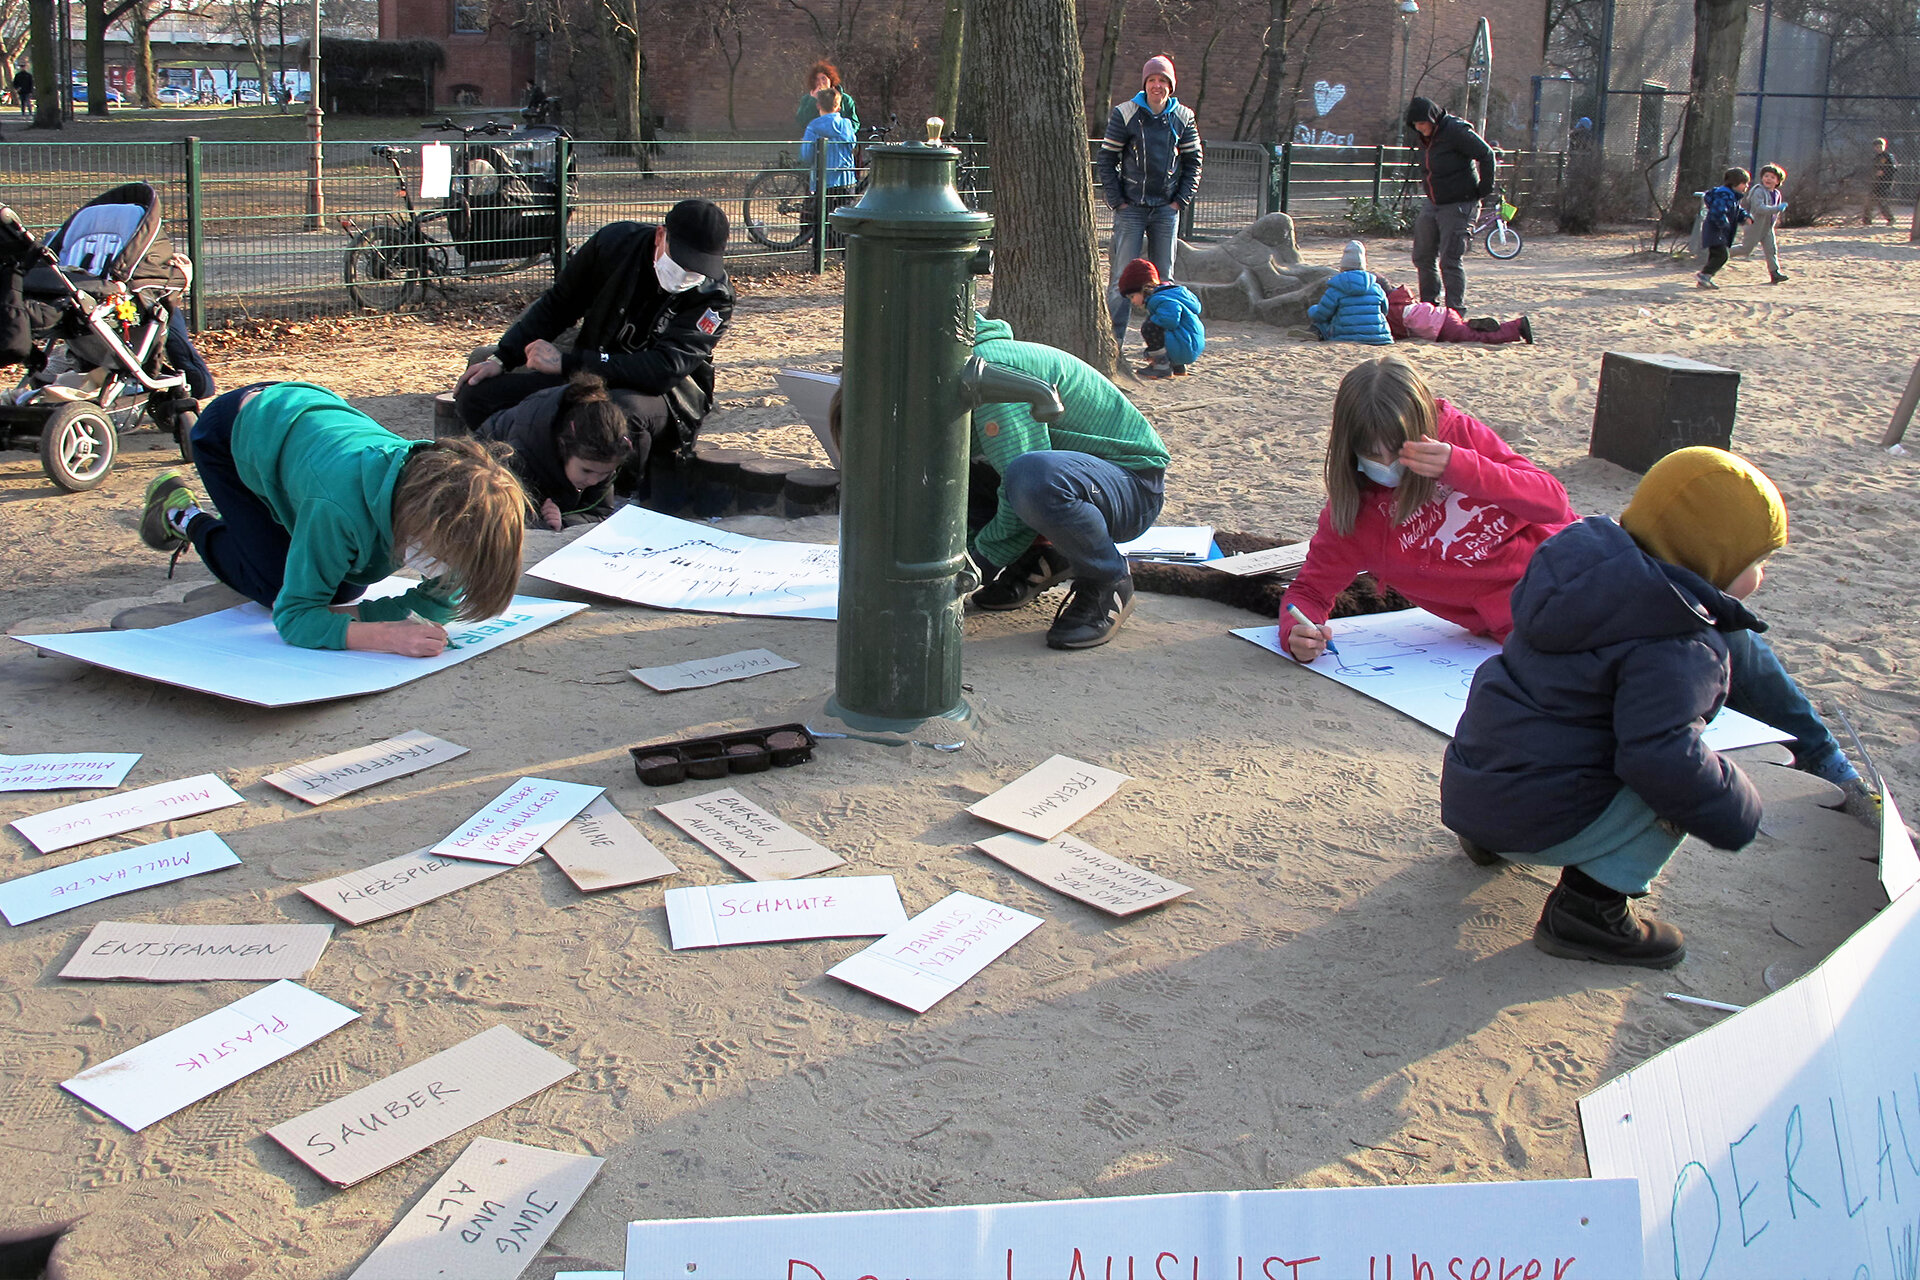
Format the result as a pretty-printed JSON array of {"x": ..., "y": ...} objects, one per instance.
[
  {"x": 1456, "y": 170},
  {"x": 567, "y": 442}
]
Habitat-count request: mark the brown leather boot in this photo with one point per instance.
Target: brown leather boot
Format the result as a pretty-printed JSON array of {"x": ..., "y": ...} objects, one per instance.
[{"x": 1585, "y": 920}]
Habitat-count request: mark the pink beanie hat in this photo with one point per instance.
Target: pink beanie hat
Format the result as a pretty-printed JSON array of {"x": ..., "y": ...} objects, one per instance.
[{"x": 1159, "y": 65}]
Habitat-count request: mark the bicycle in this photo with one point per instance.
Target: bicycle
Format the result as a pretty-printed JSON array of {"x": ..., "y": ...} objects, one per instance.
[{"x": 1502, "y": 241}]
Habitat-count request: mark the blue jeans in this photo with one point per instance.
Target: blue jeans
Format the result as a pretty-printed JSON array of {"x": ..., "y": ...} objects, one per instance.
[
  {"x": 1139, "y": 231},
  {"x": 1624, "y": 848},
  {"x": 184, "y": 356},
  {"x": 1083, "y": 505},
  {"x": 1760, "y": 687}
]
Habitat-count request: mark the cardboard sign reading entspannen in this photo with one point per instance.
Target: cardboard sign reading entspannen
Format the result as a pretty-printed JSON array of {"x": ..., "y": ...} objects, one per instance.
[
  {"x": 107, "y": 875},
  {"x": 1051, "y": 797},
  {"x": 198, "y": 952},
  {"x": 701, "y": 672},
  {"x": 748, "y": 838},
  {"x": 64, "y": 772},
  {"x": 925, "y": 961},
  {"x": 1082, "y": 871},
  {"x": 599, "y": 849},
  {"x": 375, "y": 1128},
  {"x": 398, "y": 884},
  {"x": 330, "y": 777},
  {"x": 518, "y": 821},
  {"x": 111, "y": 815}
]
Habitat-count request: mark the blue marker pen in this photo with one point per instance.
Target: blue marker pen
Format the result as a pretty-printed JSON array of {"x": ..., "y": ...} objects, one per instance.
[{"x": 1305, "y": 621}]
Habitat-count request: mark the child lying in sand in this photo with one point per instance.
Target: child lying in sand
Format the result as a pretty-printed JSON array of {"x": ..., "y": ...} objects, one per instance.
[{"x": 1407, "y": 318}]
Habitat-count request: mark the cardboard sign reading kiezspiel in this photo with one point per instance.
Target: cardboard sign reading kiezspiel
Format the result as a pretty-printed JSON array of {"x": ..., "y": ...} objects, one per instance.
[
  {"x": 518, "y": 821},
  {"x": 725, "y": 915},
  {"x": 330, "y": 777},
  {"x": 375, "y": 1128},
  {"x": 600, "y": 849},
  {"x": 208, "y": 1054},
  {"x": 110, "y": 815},
  {"x": 1082, "y": 871},
  {"x": 61, "y": 772},
  {"x": 396, "y": 885},
  {"x": 107, "y": 875},
  {"x": 1051, "y": 797},
  {"x": 748, "y": 838},
  {"x": 486, "y": 1217},
  {"x": 198, "y": 953},
  {"x": 925, "y": 961},
  {"x": 701, "y": 672}
]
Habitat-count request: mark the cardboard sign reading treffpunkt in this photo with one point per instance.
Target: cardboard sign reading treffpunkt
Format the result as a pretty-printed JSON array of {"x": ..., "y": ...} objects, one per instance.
[
  {"x": 398, "y": 884},
  {"x": 486, "y": 1217},
  {"x": 747, "y": 837},
  {"x": 330, "y": 777},
  {"x": 925, "y": 961},
  {"x": 198, "y": 953},
  {"x": 518, "y": 821},
  {"x": 1050, "y": 797},
  {"x": 701, "y": 672},
  {"x": 50, "y": 772},
  {"x": 725, "y": 915},
  {"x": 107, "y": 875},
  {"x": 600, "y": 849},
  {"x": 377, "y": 1127},
  {"x": 129, "y": 810},
  {"x": 1082, "y": 871}
]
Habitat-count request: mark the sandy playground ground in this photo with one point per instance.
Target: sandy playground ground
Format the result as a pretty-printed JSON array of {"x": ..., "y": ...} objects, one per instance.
[{"x": 1343, "y": 999}]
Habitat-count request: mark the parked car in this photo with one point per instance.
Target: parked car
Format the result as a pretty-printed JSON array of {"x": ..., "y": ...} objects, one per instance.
[
  {"x": 247, "y": 95},
  {"x": 113, "y": 95},
  {"x": 172, "y": 95}
]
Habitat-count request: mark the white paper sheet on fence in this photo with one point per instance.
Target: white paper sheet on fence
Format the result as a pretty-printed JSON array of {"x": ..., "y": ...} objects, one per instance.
[
  {"x": 648, "y": 558},
  {"x": 107, "y": 875},
  {"x": 1777, "y": 1142},
  {"x": 64, "y": 771},
  {"x": 237, "y": 654},
  {"x": 1573, "y": 1230},
  {"x": 1423, "y": 665},
  {"x": 726, "y": 915}
]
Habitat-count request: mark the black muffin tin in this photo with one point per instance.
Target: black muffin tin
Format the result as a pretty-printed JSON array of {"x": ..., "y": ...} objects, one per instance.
[{"x": 661, "y": 764}]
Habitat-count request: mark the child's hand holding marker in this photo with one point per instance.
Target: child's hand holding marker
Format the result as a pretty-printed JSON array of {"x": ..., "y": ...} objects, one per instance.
[{"x": 1306, "y": 641}]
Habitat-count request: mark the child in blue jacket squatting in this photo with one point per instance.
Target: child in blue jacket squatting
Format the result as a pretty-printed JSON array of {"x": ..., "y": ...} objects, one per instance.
[
  {"x": 1580, "y": 746},
  {"x": 1354, "y": 307},
  {"x": 1723, "y": 214},
  {"x": 1172, "y": 330}
]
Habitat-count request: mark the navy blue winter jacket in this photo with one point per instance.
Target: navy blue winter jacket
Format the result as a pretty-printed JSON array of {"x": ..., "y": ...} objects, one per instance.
[
  {"x": 1723, "y": 213},
  {"x": 1614, "y": 667},
  {"x": 1353, "y": 309},
  {"x": 1147, "y": 158},
  {"x": 1174, "y": 308}
]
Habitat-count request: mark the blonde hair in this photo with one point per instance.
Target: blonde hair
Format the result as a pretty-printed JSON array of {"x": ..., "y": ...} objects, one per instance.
[
  {"x": 458, "y": 502},
  {"x": 1382, "y": 404}
]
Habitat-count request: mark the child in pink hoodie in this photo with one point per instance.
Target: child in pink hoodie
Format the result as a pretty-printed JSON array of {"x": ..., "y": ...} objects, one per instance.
[{"x": 1407, "y": 318}]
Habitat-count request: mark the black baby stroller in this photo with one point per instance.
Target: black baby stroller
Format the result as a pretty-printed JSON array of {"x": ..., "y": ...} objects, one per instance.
[{"x": 86, "y": 313}]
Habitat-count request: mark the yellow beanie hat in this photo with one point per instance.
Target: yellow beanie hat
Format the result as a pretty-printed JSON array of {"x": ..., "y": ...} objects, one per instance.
[{"x": 1709, "y": 511}]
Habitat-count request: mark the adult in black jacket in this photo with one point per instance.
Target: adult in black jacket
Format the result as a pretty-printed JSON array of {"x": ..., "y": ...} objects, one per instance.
[
  {"x": 651, "y": 302},
  {"x": 1456, "y": 169}
]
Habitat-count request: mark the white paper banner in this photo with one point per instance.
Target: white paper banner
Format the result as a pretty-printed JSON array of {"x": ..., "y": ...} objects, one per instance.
[
  {"x": 518, "y": 821},
  {"x": 927, "y": 959},
  {"x": 129, "y": 810},
  {"x": 107, "y": 875},
  {"x": 62, "y": 772},
  {"x": 725, "y": 915}
]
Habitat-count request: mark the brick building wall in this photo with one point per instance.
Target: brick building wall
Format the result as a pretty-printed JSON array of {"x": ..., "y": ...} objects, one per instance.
[{"x": 486, "y": 68}]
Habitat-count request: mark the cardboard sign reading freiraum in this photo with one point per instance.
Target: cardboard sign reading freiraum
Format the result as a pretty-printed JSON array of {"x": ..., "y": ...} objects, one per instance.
[
  {"x": 518, "y": 821},
  {"x": 925, "y": 961},
  {"x": 1051, "y": 797},
  {"x": 747, "y": 837}
]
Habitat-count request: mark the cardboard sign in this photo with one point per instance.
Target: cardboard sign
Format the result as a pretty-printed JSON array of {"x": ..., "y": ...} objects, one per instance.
[
  {"x": 701, "y": 672},
  {"x": 375, "y": 1128},
  {"x": 396, "y": 885},
  {"x": 1081, "y": 871},
  {"x": 330, "y": 777},
  {"x": 748, "y": 838},
  {"x": 111, "y": 815},
  {"x": 57, "y": 772},
  {"x": 518, "y": 821},
  {"x": 1782, "y": 1140},
  {"x": 725, "y": 915},
  {"x": 1287, "y": 559},
  {"x": 1050, "y": 797},
  {"x": 599, "y": 849},
  {"x": 1572, "y": 1230},
  {"x": 208, "y": 1054},
  {"x": 198, "y": 953},
  {"x": 107, "y": 875},
  {"x": 812, "y": 394},
  {"x": 927, "y": 959},
  {"x": 1899, "y": 863},
  {"x": 486, "y": 1217}
]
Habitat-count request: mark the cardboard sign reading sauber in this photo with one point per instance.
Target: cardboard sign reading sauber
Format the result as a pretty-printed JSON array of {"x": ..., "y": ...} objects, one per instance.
[
  {"x": 600, "y": 849},
  {"x": 751, "y": 840},
  {"x": 1082, "y": 871},
  {"x": 111, "y": 815},
  {"x": 198, "y": 953},
  {"x": 330, "y": 777},
  {"x": 1051, "y": 797},
  {"x": 398, "y": 884},
  {"x": 518, "y": 821},
  {"x": 375, "y": 1128}
]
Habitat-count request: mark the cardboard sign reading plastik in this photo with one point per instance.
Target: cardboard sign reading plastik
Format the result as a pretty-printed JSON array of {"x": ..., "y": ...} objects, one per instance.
[
  {"x": 107, "y": 875},
  {"x": 198, "y": 953},
  {"x": 701, "y": 672},
  {"x": 725, "y": 915},
  {"x": 486, "y": 1217},
  {"x": 1082, "y": 871},
  {"x": 925, "y": 961},
  {"x": 208, "y": 1054},
  {"x": 1048, "y": 799},
  {"x": 330, "y": 777},
  {"x": 111, "y": 815},
  {"x": 600, "y": 849},
  {"x": 377, "y": 1127},
  {"x": 396, "y": 885},
  {"x": 64, "y": 772},
  {"x": 747, "y": 837},
  {"x": 518, "y": 821}
]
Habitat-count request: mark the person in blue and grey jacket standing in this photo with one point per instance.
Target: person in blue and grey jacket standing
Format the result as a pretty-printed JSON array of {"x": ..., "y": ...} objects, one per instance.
[{"x": 1149, "y": 166}]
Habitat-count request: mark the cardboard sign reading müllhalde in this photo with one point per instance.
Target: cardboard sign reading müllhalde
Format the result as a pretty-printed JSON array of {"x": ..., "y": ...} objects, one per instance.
[
  {"x": 377, "y": 1127},
  {"x": 107, "y": 875},
  {"x": 701, "y": 672},
  {"x": 747, "y": 837},
  {"x": 112, "y": 815},
  {"x": 600, "y": 849},
  {"x": 927, "y": 960},
  {"x": 486, "y": 1217},
  {"x": 198, "y": 952},
  {"x": 1050, "y": 798},
  {"x": 518, "y": 821},
  {"x": 330, "y": 777},
  {"x": 398, "y": 884},
  {"x": 1082, "y": 871},
  {"x": 725, "y": 915}
]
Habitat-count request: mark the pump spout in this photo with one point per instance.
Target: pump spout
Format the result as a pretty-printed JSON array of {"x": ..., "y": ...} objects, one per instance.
[{"x": 982, "y": 383}]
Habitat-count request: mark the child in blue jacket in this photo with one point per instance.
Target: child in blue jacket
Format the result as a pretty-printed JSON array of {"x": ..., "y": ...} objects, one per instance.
[
  {"x": 1722, "y": 213},
  {"x": 1172, "y": 330},
  {"x": 1354, "y": 307}
]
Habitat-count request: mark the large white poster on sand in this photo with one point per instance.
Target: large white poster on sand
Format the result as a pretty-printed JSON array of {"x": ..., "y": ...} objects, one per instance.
[
  {"x": 1584, "y": 1230},
  {"x": 1423, "y": 665},
  {"x": 648, "y": 558},
  {"x": 237, "y": 654}
]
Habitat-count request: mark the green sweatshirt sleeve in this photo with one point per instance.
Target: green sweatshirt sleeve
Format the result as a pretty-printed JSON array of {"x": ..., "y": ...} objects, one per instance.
[
  {"x": 318, "y": 562},
  {"x": 1001, "y": 433},
  {"x": 426, "y": 600}
]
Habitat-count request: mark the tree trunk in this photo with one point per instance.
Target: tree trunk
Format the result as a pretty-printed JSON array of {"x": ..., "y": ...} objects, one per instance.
[
  {"x": 141, "y": 28},
  {"x": 1719, "y": 27},
  {"x": 1109, "y": 49},
  {"x": 946, "y": 85},
  {"x": 1047, "y": 281},
  {"x": 46, "y": 67},
  {"x": 1272, "y": 118},
  {"x": 96, "y": 57}
]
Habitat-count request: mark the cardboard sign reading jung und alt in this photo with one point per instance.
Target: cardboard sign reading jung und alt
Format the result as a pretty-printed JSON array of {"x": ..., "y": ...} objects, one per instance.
[
  {"x": 747, "y": 837},
  {"x": 1081, "y": 871},
  {"x": 198, "y": 952},
  {"x": 111, "y": 815},
  {"x": 600, "y": 849},
  {"x": 927, "y": 959},
  {"x": 330, "y": 777},
  {"x": 725, "y": 915},
  {"x": 518, "y": 821},
  {"x": 398, "y": 884},
  {"x": 1050, "y": 797},
  {"x": 107, "y": 875}
]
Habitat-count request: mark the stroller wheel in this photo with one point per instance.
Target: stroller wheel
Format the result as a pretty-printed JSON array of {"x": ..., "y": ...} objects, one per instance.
[
  {"x": 182, "y": 430},
  {"x": 77, "y": 446}
]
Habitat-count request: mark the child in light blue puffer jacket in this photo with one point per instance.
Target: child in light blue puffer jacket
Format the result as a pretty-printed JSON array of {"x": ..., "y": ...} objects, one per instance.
[
  {"x": 1354, "y": 307},
  {"x": 1172, "y": 330}
]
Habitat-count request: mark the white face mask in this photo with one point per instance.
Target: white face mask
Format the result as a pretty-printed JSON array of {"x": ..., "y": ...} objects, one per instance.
[
  {"x": 423, "y": 564},
  {"x": 1387, "y": 476},
  {"x": 673, "y": 277}
]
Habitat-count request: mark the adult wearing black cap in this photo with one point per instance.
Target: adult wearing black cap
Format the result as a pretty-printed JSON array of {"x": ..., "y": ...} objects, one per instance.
[
  {"x": 1456, "y": 167},
  {"x": 651, "y": 302}
]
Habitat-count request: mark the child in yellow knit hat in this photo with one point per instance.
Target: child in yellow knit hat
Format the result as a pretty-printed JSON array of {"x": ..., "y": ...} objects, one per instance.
[{"x": 1581, "y": 744}]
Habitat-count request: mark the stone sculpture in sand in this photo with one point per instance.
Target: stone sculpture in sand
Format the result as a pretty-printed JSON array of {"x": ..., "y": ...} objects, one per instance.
[{"x": 1255, "y": 275}]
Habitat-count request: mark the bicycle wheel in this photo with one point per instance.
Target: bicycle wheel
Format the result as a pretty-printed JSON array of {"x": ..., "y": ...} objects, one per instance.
[
  {"x": 383, "y": 269},
  {"x": 776, "y": 209},
  {"x": 1503, "y": 241}
]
